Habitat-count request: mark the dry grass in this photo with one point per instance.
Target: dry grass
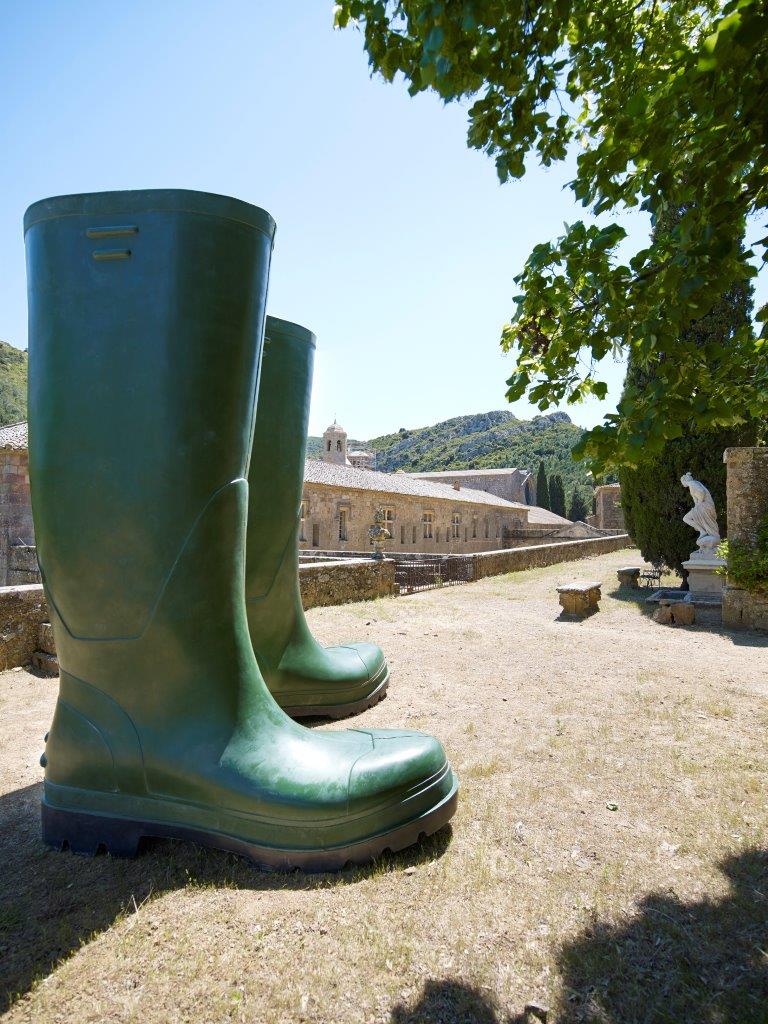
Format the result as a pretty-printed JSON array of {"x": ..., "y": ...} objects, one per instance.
[{"x": 608, "y": 858}]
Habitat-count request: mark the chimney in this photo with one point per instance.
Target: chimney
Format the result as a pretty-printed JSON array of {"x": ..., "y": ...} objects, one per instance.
[{"x": 456, "y": 485}]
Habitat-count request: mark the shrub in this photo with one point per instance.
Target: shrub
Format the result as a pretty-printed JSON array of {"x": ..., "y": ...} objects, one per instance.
[{"x": 747, "y": 566}]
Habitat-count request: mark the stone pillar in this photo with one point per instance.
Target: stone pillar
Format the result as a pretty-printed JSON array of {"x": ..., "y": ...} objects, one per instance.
[{"x": 747, "y": 494}]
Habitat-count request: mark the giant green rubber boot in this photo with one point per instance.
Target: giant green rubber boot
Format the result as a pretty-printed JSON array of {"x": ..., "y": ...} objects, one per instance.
[
  {"x": 146, "y": 319},
  {"x": 305, "y": 678}
]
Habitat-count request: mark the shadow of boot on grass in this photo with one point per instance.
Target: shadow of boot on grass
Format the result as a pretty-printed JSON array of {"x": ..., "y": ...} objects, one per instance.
[
  {"x": 52, "y": 903},
  {"x": 448, "y": 1001}
]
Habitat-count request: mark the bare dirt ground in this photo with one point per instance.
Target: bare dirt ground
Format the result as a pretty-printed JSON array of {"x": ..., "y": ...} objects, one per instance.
[{"x": 608, "y": 860}]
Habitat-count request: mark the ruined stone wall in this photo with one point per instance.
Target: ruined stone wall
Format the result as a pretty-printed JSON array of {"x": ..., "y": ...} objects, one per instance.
[
  {"x": 747, "y": 497},
  {"x": 15, "y": 506},
  {"x": 351, "y": 579},
  {"x": 481, "y": 527}
]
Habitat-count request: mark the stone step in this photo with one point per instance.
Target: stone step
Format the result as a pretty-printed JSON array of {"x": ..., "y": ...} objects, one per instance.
[
  {"x": 20, "y": 577},
  {"x": 45, "y": 638},
  {"x": 45, "y": 663},
  {"x": 23, "y": 557}
]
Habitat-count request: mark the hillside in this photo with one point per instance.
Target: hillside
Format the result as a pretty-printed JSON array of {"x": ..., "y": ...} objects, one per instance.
[
  {"x": 483, "y": 441},
  {"x": 13, "y": 384}
]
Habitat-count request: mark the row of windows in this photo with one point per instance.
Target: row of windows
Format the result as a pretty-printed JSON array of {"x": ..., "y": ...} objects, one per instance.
[{"x": 429, "y": 530}]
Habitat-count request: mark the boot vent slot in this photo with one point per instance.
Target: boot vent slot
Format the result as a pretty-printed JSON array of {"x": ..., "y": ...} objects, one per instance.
[
  {"x": 112, "y": 231},
  {"x": 112, "y": 254}
]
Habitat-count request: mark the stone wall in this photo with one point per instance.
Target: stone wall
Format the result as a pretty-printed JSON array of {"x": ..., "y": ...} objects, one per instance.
[
  {"x": 744, "y": 610},
  {"x": 494, "y": 563},
  {"x": 349, "y": 579},
  {"x": 22, "y": 610},
  {"x": 15, "y": 506},
  {"x": 747, "y": 497}
]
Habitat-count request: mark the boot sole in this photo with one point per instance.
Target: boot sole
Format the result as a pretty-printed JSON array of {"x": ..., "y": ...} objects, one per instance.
[
  {"x": 340, "y": 710},
  {"x": 89, "y": 834}
]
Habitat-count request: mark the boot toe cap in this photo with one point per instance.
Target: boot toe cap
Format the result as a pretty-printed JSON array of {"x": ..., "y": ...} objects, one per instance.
[
  {"x": 400, "y": 765},
  {"x": 373, "y": 660}
]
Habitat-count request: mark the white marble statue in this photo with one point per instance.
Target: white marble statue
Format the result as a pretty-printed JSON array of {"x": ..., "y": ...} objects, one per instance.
[{"x": 702, "y": 517}]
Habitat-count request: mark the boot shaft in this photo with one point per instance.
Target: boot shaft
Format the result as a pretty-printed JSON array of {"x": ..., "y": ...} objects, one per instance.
[
  {"x": 276, "y": 472},
  {"x": 145, "y": 312}
]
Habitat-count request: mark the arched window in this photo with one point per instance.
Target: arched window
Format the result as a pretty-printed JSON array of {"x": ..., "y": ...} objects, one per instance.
[
  {"x": 329, "y": 444},
  {"x": 338, "y": 446}
]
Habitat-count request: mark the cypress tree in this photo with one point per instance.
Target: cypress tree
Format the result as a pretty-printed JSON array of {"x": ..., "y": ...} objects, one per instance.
[
  {"x": 557, "y": 495},
  {"x": 542, "y": 487},
  {"x": 577, "y": 511},
  {"x": 652, "y": 497}
]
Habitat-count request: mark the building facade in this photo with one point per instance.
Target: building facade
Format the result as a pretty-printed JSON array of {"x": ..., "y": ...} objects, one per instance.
[{"x": 339, "y": 503}]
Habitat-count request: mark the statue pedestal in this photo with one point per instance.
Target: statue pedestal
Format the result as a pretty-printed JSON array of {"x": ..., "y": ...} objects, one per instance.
[{"x": 703, "y": 578}]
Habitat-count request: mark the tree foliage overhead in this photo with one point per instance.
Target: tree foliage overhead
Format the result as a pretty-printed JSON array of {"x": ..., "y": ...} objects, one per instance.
[{"x": 666, "y": 101}]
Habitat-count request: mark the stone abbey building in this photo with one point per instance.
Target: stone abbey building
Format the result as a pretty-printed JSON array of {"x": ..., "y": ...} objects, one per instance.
[
  {"x": 456, "y": 512},
  {"x": 434, "y": 513}
]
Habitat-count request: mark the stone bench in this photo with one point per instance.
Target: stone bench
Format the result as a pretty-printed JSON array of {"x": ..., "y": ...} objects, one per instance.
[
  {"x": 629, "y": 576},
  {"x": 579, "y": 597}
]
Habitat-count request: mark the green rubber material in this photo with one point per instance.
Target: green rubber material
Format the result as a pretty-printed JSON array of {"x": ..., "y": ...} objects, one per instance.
[
  {"x": 305, "y": 678},
  {"x": 146, "y": 315}
]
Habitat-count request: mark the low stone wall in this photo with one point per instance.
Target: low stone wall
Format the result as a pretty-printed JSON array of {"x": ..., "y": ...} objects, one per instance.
[
  {"x": 744, "y": 610},
  {"x": 22, "y": 610},
  {"x": 494, "y": 563},
  {"x": 348, "y": 579}
]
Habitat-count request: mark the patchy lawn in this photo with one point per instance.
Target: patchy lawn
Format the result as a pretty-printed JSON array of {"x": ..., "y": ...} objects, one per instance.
[{"x": 608, "y": 859}]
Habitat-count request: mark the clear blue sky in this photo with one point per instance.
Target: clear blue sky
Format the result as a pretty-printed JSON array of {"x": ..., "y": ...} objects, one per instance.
[{"x": 395, "y": 243}]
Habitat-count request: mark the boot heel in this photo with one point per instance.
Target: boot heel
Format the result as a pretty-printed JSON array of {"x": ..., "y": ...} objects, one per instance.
[{"x": 89, "y": 834}]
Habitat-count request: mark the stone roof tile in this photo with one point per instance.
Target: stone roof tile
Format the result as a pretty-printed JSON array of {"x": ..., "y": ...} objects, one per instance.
[{"x": 450, "y": 473}]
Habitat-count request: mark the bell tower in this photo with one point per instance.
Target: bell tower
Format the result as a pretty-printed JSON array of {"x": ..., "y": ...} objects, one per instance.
[{"x": 335, "y": 444}]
